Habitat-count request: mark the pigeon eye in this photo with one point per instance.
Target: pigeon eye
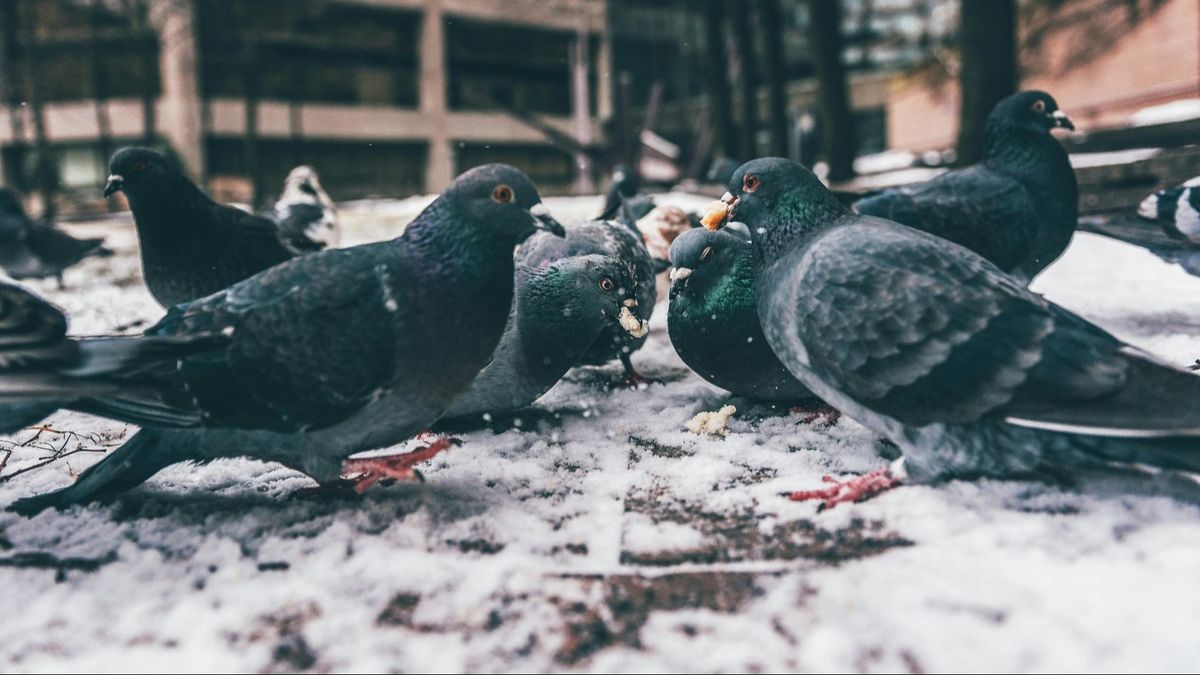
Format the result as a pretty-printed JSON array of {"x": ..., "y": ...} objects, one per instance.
[
  {"x": 607, "y": 285},
  {"x": 705, "y": 253},
  {"x": 1039, "y": 106},
  {"x": 502, "y": 194},
  {"x": 750, "y": 183},
  {"x": 140, "y": 166}
]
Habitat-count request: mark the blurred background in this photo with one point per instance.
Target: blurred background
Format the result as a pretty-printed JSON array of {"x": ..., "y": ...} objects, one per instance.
[{"x": 388, "y": 98}]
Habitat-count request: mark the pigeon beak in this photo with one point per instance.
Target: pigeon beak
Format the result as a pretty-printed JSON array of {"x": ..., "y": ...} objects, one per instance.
[
  {"x": 679, "y": 274},
  {"x": 542, "y": 220},
  {"x": 114, "y": 184},
  {"x": 718, "y": 212},
  {"x": 1059, "y": 120},
  {"x": 632, "y": 324}
]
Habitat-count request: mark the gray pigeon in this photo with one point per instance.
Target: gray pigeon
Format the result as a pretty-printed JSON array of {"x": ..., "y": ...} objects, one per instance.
[
  {"x": 30, "y": 250},
  {"x": 1017, "y": 208},
  {"x": 191, "y": 246},
  {"x": 327, "y": 355},
  {"x": 623, "y": 193},
  {"x": 713, "y": 318},
  {"x": 1167, "y": 224},
  {"x": 307, "y": 217},
  {"x": 930, "y": 345},
  {"x": 559, "y": 312},
  {"x": 608, "y": 238}
]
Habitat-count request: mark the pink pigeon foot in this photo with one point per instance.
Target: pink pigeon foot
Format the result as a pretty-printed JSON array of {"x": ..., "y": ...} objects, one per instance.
[
  {"x": 367, "y": 471},
  {"x": 857, "y": 489}
]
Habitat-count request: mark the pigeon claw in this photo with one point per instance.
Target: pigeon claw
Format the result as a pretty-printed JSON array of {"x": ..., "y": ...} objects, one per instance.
[
  {"x": 857, "y": 489},
  {"x": 367, "y": 471}
]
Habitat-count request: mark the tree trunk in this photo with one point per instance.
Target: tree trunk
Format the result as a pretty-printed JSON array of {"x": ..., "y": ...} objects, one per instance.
[
  {"x": 716, "y": 76},
  {"x": 141, "y": 11},
  {"x": 743, "y": 34},
  {"x": 100, "y": 91},
  {"x": 250, "y": 72},
  {"x": 771, "y": 18},
  {"x": 838, "y": 140},
  {"x": 14, "y": 163},
  {"x": 47, "y": 181},
  {"x": 988, "y": 46}
]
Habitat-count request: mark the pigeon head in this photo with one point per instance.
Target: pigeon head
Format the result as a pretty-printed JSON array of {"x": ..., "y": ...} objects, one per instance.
[
  {"x": 503, "y": 200},
  {"x": 777, "y": 199},
  {"x": 303, "y": 186},
  {"x": 135, "y": 168},
  {"x": 624, "y": 181},
  {"x": 702, "y": 255},
  {"x": 599, "y": 285},
  {"x": 1031, "y": 111}
]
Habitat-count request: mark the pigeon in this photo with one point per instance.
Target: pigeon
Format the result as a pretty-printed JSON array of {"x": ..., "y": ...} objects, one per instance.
[
  {"x": 30, "y": 250},
  {"x": 559, "y": 312},
  {"x": 1167, "y": 224},
  {"x": 305, "y": 214},
  {"x": 721, "y": 169},
  {"x": 1017, "y": 208},
  {"x": 191, "y": 246},
  {"x": 1177, "y": 209},
  {"x": 624, "y": 190},
  {"x": 713, "y": 319},
  {"x": 932, "y": 346},
  {"x": 326, "y": 355},
  {"x": 609, "y": 238}
]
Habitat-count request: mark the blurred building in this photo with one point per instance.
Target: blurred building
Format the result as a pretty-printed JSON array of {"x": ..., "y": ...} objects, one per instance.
[
  {"x": 392, "y": 97},
  {"x": 665, "y": 42},
  {"x": 383, "y": 96},
  {"x": 1109, "y": 63}
]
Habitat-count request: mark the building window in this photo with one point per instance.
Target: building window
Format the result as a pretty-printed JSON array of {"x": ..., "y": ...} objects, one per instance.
[
  {"x": 81, "y": 50},
  {"x": 309, "y": 50},
  {"x": 525, "y": 68}
]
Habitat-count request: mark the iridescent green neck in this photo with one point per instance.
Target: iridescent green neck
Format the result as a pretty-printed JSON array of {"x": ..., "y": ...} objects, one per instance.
[{"x": 799, "y": 214}]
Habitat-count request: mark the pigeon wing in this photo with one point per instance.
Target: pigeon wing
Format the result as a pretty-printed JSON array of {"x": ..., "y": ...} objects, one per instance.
[
  {"x": 986, "y": 211},
  {"x": 924, "y": 331},
  {"x": 305, "y": 349}
]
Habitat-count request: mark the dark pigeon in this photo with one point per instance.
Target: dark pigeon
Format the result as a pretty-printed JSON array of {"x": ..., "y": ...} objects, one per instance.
[
  {"x": 713, "y": 319},
  {"x": 607, "y": 238},
  {"x": 559, "y": 312},
  {"x": 932, "y": 346},
  {"x": 721, "y": 170},
  {"x": 623, "y": 189},
  {"x": 1017, "y": 208},
  {"x": 313, "y": 360},
  {"x": 30, "y": 250},
  {"x": 191, "y": 246},
  {"x": 1167, "y": 224},
  {"x": 307, "y": 217}
]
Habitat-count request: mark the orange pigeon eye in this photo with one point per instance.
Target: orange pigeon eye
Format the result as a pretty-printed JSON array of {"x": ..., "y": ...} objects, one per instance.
[
  {"x": 750, "y": 183},
  {"x": 1039, "y": 106},
  {"x": 502, "y": 194}
]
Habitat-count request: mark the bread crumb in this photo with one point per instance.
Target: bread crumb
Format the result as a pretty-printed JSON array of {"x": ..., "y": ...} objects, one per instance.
[{"x": 712, "y": 423}]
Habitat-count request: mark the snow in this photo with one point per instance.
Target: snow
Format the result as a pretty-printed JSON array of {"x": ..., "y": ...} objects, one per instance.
[
  {"x": 1175, "y": 111},
  {"x": 1087, "y": 160},
  {"x": 605, "y": 537}
]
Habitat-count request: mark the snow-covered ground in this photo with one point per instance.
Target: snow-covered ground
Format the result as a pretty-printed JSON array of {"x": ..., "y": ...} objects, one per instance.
[{"x": 604, "y": 536}]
